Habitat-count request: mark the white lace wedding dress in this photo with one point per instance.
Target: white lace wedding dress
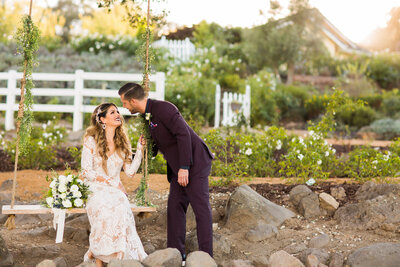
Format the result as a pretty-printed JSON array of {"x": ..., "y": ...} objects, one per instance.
[{"x": 113, "y": 231}]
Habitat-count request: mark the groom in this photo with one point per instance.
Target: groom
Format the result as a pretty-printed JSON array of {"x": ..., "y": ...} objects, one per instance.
[{"x": 188, "y": 166}]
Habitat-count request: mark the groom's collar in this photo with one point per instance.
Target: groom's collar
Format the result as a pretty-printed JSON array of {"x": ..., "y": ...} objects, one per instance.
[{"x": 148, "y": 106}]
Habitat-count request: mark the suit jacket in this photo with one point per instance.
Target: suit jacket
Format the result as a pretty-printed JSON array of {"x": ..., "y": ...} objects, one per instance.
[{"x": 179, "y": 144}]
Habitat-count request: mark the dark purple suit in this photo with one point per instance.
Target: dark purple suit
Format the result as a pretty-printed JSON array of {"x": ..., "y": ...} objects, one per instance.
[{"x": 183, "y": 148}]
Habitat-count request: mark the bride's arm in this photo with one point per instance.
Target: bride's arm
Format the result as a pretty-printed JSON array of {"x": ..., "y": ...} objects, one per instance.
[
  {"x": 88, "y": 171},
  {"x": 131, "y": 169}
]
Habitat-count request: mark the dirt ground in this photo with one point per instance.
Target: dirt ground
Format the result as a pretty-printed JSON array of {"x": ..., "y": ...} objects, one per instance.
[{"x": 295, "y": 233}]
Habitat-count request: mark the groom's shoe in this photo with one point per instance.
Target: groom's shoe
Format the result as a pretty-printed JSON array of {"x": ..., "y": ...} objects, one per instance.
[{"x": 183, "y": 259}]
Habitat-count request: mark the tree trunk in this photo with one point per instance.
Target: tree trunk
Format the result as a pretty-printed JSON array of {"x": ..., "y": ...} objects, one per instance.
[{"x": 290, "y": 73}]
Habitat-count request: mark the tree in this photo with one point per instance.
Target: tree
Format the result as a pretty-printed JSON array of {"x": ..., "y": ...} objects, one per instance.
[{"x": 286, "y": 41}]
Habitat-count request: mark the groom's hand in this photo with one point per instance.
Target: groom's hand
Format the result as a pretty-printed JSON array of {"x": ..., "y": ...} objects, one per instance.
[{"x": 183, "y": 177}]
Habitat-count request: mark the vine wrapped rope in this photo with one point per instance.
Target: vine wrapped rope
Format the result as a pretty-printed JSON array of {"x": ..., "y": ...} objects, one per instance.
[{"x": 27, "y": 38}]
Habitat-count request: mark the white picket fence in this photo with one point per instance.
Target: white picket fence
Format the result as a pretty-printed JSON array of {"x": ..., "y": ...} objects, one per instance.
[
  {"x": 179, "y": 49},
  {"x": 78, "y": 92},
  {"x": 233, "y": 106}
]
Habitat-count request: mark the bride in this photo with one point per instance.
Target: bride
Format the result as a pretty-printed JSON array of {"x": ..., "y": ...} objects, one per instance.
[{"x": 106, "y": 150}]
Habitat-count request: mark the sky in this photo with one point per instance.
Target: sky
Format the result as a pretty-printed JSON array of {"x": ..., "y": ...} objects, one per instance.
[{"x": 354, "y": 18}]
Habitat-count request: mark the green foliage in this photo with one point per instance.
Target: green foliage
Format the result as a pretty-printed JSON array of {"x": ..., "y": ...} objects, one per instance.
[
  {"x": 387, "y": 128},
  {"x": 42, "y": 147},
  {"x": 315, "y": 106},
  {"x": 96, "y": 43},
  {"x": 391, "y": 103},
  {"x": 384, "y": 69},
  {"x": 230, "y": 163},
  {"x": 27, "y": 38},
  {"x": 366, "y": 163},
  {"x": 355, "y": 115}
]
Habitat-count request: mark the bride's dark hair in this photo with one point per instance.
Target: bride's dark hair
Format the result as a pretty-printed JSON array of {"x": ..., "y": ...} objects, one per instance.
[{"x": 121, "y": 141}]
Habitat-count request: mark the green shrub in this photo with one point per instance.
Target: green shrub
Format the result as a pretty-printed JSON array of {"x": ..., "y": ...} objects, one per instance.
[
  {"x": 366, "y": 163},
  {"x": 387, "y": 128},
  {"x": 315, "y": 106},
  {"x": 391, "y": 103},
  {"x": 356, "y": 116},
  {"x": 385, "y": 70}
]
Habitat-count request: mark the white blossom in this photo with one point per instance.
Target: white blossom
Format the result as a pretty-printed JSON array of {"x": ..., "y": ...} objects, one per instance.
[
  {"x": 74, "y": 188},
  {"x": 63, "y": 196},
  {"x": 375, "y": 162},
  {"x": 62, "y": 188},
  {"x": 319, "y": 162},
  {"x": 49, "y": 201},
  {"x": 77, "y": 194},
  {"x": 69, "y": 178},
  {"x": 248, "y": 152},
  {"x": 78, "y": 202},
  {"x": 300, "y": 156},
  {"x": 67, "y": 203},
  {"x": 53, "y": 184},
  {"x": 326, "y": 153},
  {"x": 278, "y": 144}
]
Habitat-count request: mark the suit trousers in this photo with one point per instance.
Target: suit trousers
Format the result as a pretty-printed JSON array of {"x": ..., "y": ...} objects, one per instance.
[{"x": 197, "y": 194}]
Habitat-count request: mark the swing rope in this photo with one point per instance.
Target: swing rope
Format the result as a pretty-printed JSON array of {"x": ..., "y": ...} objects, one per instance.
[{"x": 10, "y": 223}]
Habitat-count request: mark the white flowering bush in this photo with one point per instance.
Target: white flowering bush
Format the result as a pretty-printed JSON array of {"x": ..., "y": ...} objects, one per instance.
[{"x": 66, "y": 191}]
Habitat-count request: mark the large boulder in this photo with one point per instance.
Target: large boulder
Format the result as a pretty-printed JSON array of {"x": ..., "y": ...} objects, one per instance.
[
  {"x": 380, "y": 211},
  {"x": 380, "y": 254},
  {"x": 170, "y": 257},
  {"x": 124, "y": 263},
  {"x": 200, "y": 259},
  {"x": 221, "y": 245},
  {"x": 246, "y": 209},
  {"x": 305, "y": 201},
  {"x": 283, "y": 259},
  {"x": 370, "y": 190}
]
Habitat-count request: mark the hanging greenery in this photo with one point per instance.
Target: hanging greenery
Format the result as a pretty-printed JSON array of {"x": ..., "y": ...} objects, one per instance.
[{"x": 27, "y": 38}]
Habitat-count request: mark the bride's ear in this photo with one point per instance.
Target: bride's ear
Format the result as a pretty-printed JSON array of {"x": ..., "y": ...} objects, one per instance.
[{"x": 102, "y": 120}]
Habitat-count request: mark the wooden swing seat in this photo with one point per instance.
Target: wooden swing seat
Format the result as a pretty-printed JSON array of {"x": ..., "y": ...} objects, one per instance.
[{"x": 38, "y": 209}]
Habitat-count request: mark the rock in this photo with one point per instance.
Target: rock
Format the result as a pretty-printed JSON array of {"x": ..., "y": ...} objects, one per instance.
[
  {"x": 246, "y": 207},
  {"x": 380, "y": 254},
  {"x": 6, "y": 259},
  {"x": 297, "y": 193},
  {"x": 261, "y": 261},
  {"x": 337, "y": 260},
  {"x": 200, "y": 259},
  {"x": 321, "y": 254},
  {"x": 312, "y": 261},
  {"x": 309, "y": 206},
  {"x": 320, "y": 241},
  {"x": 283, "y": 259},
  {"x": 261, "y": 232},
  {"x": 79, "y": 235},
  {"x": 338, "y": 193},
  {"x": 190, "y": 219},
  {"x": 216, "y": 216},
  {"x": 7, "y": 185},
  {"x": 379, "y": 212},
  {"x": 47, "y": 263},
  {"x": 221, "y": 244},
  {"x": 170, "y": 257},
  {"x": 370, "y": 190},
  {"x": 328, "y": 203},
  {"x": 295, "y": 248},
  {"x": 60, "y": 262},
  {"x": 149, "y": 248},
  {"x": 21, "y": 219},
  {"x": 124, "y": 263},
  {"x": 80, "y": 221}
]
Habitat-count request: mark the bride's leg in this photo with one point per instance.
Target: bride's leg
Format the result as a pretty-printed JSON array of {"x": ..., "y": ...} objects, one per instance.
[{"x": 99, "y": 263}]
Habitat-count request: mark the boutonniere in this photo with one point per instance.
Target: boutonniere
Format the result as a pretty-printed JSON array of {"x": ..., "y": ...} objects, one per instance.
[{"x": 147, "y": 116}]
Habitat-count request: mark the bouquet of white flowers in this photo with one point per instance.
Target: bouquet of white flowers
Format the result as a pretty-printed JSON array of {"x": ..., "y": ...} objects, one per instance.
[{"x": 66, "y": 191}]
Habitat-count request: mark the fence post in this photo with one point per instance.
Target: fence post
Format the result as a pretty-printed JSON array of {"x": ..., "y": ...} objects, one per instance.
[
  {"x": 160, "y": 85},
  {"x": 247, "y": 103},
  {"x": 11, "y": 87},
  {"x": 217, "y": 116},
  {"x": 78, "y": 101}
]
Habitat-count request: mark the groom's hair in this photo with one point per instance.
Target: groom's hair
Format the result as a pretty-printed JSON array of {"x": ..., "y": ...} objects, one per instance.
[{"x": 132, "y": 90}]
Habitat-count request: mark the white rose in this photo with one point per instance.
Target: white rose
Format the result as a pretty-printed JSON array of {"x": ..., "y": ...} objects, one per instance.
[
  {"x": 62, "y": 188},
  {"x": 78, "y": 202},
  {"x": 49, "y": 201},
  {"x": 67, "y": 204},
  {"x": 77, "y": 194},
  {"x": 53, "y": 184},
  {"x": 62, "y": 179},
  {"x": 69, "y": 178},
  {"x": 319, "y": 162},
  {"x": 74, "y": 188},
  {"x": 278, "y": 145},
  {"x": 63, "y": 196}
]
